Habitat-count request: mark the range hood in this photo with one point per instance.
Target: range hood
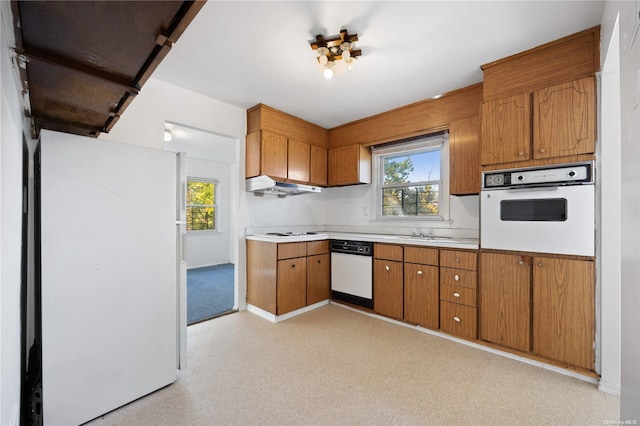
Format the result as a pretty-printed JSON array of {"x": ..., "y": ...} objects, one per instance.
[{"x": 261, "y": 185}]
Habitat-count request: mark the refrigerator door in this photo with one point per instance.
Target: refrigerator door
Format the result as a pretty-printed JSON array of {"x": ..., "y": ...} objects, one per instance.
[
  {"x": 108, "y": 262},
  {"x": 181, "y": 261}
]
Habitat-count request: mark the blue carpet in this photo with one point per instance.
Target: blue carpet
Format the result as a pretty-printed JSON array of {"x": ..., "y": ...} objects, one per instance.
[{"x": 209, "y": 292}]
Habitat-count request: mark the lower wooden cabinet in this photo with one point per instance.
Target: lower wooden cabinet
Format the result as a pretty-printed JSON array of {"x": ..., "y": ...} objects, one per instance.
[
  {"x": 457, "y": 319},
  {"x": 292, "y": 285},
  {"x": 283, "y": 277},
  {"x": 564, "y": 310},
  {"x": 388, "y": 292},
  {"x": 505, "y": 294},
  {"x": 318, "y": 278}
]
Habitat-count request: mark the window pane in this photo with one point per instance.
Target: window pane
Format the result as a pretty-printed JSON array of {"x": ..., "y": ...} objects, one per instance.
[
  {"x": 200, "y": 218},
  {"x": 411, "y": 201},
  {"x": 200, "y": 192},
  {"x": 415, "y": 167}
]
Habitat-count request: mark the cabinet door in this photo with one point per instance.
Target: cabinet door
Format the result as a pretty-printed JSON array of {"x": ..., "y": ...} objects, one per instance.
[
  {"x": 318, "y": 278},
  {"x": 564, "y": 118},
  {"x": 505, "y": 300},
  {"x": 564, "y": 310},
  {"x": 506, "y": 130},
  {"x": 464, "y": 153},
  {"x": 421, "y": 295},
  {"x": 349, "y": 165},
  {"x": 273, "y": 157},
  {"x": 292, "y": 285},
  {"x": 318, "y": 166},
  {"x": 298, "y": 161},
  {"x": 387, "y": 288}
]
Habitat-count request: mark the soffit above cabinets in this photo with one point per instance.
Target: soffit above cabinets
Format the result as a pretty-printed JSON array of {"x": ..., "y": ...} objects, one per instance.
[{"x": 83, "y": 62}]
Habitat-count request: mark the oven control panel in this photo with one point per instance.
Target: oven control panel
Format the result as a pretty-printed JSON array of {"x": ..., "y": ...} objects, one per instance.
[{"x": 568, "y": 174}]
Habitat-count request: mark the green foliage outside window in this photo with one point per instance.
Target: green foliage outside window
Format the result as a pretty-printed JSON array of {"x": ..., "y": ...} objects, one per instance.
[
  {"x": 201, "y": 206},
  {"x": 408, "y": 191}
]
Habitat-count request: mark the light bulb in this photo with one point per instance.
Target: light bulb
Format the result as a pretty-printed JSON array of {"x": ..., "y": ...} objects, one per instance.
[
  {"x": 346, "y": 54},
  {"x": 328, "y": 73},
  {"x": 323, "y": 60},
  {"x": 351, "y": 62},
  {"x": 345, "y": 45},
  {"x": 323, "y": 51}
]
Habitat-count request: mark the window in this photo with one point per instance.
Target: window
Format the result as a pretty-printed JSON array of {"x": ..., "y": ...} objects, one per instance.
[
  {"x": 201, "y": 204},
  {"x": 410, "y": 180}
]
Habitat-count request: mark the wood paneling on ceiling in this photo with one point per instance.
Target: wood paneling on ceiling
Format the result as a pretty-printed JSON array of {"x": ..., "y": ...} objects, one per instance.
[{"x": 84, "y": 61}]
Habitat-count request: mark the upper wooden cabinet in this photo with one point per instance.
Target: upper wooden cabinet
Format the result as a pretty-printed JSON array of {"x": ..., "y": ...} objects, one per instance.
[
  {"x": 349, "y": 165},
  {"x": 464, "y": 152},
  {"x": 564, "y": 119},
  {"x": 563, "y": 123},
  {"x": 285, "y": 147},
  {"x": 506, "y": 129}
]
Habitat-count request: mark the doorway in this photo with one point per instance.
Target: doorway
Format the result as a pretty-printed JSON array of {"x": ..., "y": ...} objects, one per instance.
[{"x": 211, "y": 273}]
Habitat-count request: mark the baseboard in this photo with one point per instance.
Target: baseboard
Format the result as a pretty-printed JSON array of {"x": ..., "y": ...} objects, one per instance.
[
  {"x": 209, "y": 264},
  {"x": 608, "y": 387},
  {"x": 278, "y": 318}
]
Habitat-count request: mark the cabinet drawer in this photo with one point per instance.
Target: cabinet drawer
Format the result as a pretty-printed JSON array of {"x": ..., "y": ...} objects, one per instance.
[
  {"x": 387, "y": 251},
  {"x": 421, "y": 255},
  {"x": 457, "y": 294},
  {"x": 291, "y": 250},
  {"x": 458, "y": 319},
  {"x": 458, "y": 277},
  {"x": 458, "y": 259},
  {"x": 317, "y": 247}
]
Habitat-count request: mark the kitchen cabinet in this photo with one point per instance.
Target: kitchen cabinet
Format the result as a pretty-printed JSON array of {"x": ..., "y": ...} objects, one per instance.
[
  {"x": 278, "y": 274},
  {"x": 458, "y": 283},
  {"x": 562, "y": 123},
  {"x": 285, "y": 147},
  {"x": 564, "y": 310},
  {"x": 318, "y": 272},
  {"x": 539, "y": 304},
  {"x": 349, "y": 165},
  {"x": 298, "y": 161},
  {"x": 318, "y": 166},
  {"x": 421, "y": 287},
  {"x": 505, "y": 300},
  {"x": 388, "y": 294},
  {"x": 564, "y": 119},
  {"x": 464, "y": 154},
  {"x": 266, "y": 155}
]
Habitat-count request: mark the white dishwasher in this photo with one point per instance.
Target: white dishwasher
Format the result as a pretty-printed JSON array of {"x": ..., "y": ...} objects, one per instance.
[{"x": 352, "y": 272}]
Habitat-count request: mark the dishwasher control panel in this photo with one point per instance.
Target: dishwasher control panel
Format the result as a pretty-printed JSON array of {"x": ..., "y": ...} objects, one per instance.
[{"x": 362, "y": 248}]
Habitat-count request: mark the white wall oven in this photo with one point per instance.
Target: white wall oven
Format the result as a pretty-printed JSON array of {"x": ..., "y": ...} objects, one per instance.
[{"x": 547, "y": 209}]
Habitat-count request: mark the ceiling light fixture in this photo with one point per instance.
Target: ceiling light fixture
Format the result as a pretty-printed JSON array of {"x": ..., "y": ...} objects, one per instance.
[
  {"x": 167, "y": 135},
  {"x": 336, "y": 48}
]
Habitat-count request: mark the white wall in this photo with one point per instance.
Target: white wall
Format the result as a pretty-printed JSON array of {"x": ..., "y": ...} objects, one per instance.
[
  {"x": 143, "y": 124},
  {"x": 10, "y": 228},
  {"x": 630, "y": 200},
  {"x": 206, "y": 248}
]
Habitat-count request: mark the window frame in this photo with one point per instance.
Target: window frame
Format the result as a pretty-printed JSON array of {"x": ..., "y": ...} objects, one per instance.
[
  {"x": 423, "y": 144},
  {"x": 216, "y": 188}
]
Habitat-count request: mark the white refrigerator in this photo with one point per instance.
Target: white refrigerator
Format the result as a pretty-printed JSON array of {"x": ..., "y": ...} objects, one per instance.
[{"x": 112, "y": 289}]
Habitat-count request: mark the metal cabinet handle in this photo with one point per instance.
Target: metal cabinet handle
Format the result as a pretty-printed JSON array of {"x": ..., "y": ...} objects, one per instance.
[
  {"x": 457, "y": 259},
  {"x": 456, "y": 294},
  {"x": 456, "y": 319},
  {"x": 520, "y": 262},
  {"x": 419, "y": 272},
  {"x": 456, "y": 277},
  {"x": 540, "y": 264},
  {"x": 543, "y": 150},
  {"x": 520, "y": 153},
  {"x": 386, "y": 267}
]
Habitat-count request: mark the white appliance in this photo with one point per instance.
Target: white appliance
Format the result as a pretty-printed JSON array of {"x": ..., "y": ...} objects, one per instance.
[
  {"x": 546, "y": 209},
  {"x": 352, "y": 272},
  {"x": 111, "y": 289}
]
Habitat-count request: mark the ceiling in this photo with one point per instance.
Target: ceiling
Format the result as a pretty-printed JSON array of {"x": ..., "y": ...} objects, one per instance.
[{"x": 249, "y": 52}]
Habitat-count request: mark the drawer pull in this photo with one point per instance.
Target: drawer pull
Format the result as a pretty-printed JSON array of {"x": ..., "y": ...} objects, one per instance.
[
  {"x": 457, "y": 259},
  {"x": 520, "y": 262},
  {"x": 456, "y": 294},
  {"x": 456, "y": 319},
  {"x": 540, "y": 264},
  {"x": 386, "y": 267},
  {"x": 419, "y": 272},
  {"x": 456, "y": 277}
]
